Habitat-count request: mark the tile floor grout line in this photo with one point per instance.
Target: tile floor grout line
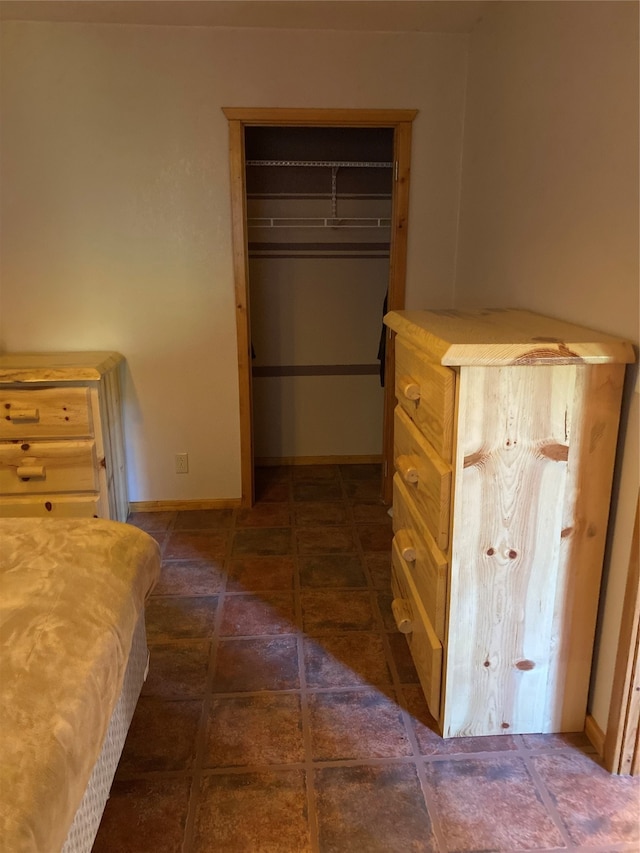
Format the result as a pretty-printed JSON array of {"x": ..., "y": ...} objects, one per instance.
[
  {"x": 547, "y": 800},
  {"x": 207, "y": 702}
]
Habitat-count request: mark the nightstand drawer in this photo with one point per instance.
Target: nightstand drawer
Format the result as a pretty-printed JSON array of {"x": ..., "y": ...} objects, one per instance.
[
  {"x": 52, "y": 506},
  {"x": 47, "y": 466},
  {"x": 423, "y": 561},
  {"x": 44, "y": 413},
  {"x": 426, "y": 392},
  {"x": 412, "y": 620},
  {"x": 427, "y": 477}
]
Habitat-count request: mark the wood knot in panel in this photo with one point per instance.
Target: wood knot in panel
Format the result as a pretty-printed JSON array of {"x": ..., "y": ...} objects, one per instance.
[
  {"x": 561, "y": 354},
  {"x": 525, "y": 665},
  {"x": 477, "y": 458},
  {"x": 566, "y": 532},
  {"x": 555, "y": 452}
]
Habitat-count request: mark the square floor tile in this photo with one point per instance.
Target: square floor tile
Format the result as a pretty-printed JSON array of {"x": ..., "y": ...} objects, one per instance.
[
  {"x": 265, "y": 514},
  {"x": 254, "y": 574},
  {"x": 259, "y": 664},
  {"x": 257, "y": 812},
  {"x": 363, "y": 490},
  {"x": 313, "y": 513},
  {"x": 143, "y": 815},
  {"x": 356, "y": 724},
  {"x": 346, "y": 660},
  {"x": 196, "y": 545},
  {"x": 379, "y": 566},
  {"x": 190, "y": 577},
  {"x": 402, "y": 659},
  {"x": 180, "y": 617},
  {"x": 272, "y": 490},
  {"x": 262, "y": 541},
  {"x": 371, "y": 512},
  {"x": 162, "y": 736},
  {"x": 247, "y": 731},
  {"x": 152, "y": 521},
  {"x": 332, "y": 570},
  {"x": 325, "y": 540},
  {"x": 328, "y": 610},
  {"x": 177, "y": 670},
  {"x": 317, "y": 491},
  {"x": 315, "y": 473},
  {"x": 267, "y": 613},
  {"x": 362, "y": 471},
  {"x": 490, "y": 803},
  {"x": 376, "y": 809},
  {"x": 375, "y": 537},
  {"x": 598, "y": 809},
  {"x": 203, "y": 519},
  {"x": 558, "y": 740}
]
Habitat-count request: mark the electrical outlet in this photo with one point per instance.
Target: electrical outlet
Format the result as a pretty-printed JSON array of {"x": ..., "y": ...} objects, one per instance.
[{"x": 182, "y": 463}]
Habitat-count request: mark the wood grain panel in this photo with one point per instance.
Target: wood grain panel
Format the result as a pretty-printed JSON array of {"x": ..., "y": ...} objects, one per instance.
[
  {"x": 53, "y": 506},
  {"x": 426, "y": 392},
  {"x": 63, "y": 466},
  {"x": 429, "y": 478},
  {"x": 425, "y": 647},
  {"x": 428, "y": 569},
  {"x": 44, "y": 413},
  {"x": 511, "y": 474}
]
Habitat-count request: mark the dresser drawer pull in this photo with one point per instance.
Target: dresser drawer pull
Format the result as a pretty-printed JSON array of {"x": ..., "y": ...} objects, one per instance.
[
  {"x": 19, "y": 416},
  {"x": 408, "y": 469},
  {"x": 401, "y": 610},
  {"x": 406, "y": 546},
  {"x": 28, "y": 472},
  {"x": 409, "y": 387}
]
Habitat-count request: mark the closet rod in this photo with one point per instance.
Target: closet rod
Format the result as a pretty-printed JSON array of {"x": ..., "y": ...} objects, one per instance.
[{"x": 324, "y": 163}]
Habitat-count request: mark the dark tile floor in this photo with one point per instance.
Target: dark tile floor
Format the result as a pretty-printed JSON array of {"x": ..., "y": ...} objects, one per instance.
[{"x": 282, "y": 712}]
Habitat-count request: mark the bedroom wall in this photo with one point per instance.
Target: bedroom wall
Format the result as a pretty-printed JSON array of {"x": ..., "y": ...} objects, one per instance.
[
  {"x": 116, "y": 216},
  {"x": 549, "y": 206}
]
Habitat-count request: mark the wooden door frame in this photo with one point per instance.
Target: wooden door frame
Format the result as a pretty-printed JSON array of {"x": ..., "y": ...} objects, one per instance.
[
  {"x": 239, "y": 118},
  {"x": 621, "y": 752}
]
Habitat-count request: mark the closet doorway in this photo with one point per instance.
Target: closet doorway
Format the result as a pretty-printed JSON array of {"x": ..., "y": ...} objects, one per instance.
[{"x": 315, "y": 194}]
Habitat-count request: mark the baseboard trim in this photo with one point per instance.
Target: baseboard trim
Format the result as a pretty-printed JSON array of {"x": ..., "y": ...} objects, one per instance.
[
  {"x": 173, "y": 506},
  {"x": 594, "y": 734},
  {"x": 266, "y": 461}
]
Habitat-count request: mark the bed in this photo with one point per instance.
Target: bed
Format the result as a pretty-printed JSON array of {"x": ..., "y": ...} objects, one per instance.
[{"x": 73, "y": 659}]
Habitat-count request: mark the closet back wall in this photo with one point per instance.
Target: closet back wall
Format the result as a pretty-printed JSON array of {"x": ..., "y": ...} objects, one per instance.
[
  {"x": 318, "y": 269},
  {"x": 116, "y": 219}
]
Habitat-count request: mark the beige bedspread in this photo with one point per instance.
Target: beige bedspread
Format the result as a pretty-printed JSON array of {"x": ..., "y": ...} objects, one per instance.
[{"x": 71, "y": 591}]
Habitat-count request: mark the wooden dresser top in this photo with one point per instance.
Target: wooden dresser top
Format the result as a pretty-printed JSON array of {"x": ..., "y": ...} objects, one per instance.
[
  {"x": 492, "y": 336},
  {"x": 56, "y": 366}
]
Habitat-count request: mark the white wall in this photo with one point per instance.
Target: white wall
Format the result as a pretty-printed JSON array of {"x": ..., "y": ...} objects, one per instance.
[
  {"x": 549, "y": 204},
  {"x": 115, "y": 204}
]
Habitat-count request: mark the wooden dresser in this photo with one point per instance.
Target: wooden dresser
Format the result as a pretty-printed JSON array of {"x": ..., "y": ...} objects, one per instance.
[
  {"x": 504, "y": 442},
  {"x": 61, "y": 439}
]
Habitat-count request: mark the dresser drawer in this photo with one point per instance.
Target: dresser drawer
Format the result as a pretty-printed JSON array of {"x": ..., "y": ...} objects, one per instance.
[
  {"x": 412, "y": 620},
  {"x": 47, "y": 466},
  {"x": 427, "y": 477},
  {"x": 426, "y": 392},
  {"x": 44, "y": 413},
  {"x": 424, "y": 561},
  {"x": 52, "y": 506}
]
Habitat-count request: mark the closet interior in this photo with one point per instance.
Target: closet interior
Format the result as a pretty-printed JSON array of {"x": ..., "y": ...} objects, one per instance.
[{"x": 318, "y": 220}]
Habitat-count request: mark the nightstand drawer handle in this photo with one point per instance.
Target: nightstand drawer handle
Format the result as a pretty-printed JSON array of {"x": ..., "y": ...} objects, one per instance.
[
  {"x": 406, "y": 546},
  {"x": 407, "y": 468},
  {"x": 409, "y": 387},
  {"x": 28, "y": 472},
  {"x": 401, "y": 610},
  {"x": 19, "y": 416}
]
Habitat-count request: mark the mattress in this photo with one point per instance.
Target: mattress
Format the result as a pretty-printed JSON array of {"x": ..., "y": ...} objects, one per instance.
[{"x": 72, "y": 592}]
